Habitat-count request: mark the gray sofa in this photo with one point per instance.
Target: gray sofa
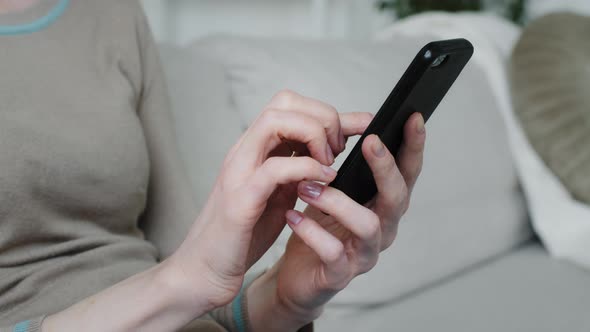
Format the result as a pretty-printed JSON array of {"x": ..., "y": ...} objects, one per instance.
[{"x": 466, "y": 258}]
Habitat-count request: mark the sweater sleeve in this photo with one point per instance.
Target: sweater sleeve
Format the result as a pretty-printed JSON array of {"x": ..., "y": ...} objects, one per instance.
[{"x": 31, "y": 325}]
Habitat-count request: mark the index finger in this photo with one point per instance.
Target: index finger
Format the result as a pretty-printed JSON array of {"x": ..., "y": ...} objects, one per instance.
[
  {"x": 355, "y": 123},
  {"x": 272, "y": 127},
  {"x": 326, "y": 114}
]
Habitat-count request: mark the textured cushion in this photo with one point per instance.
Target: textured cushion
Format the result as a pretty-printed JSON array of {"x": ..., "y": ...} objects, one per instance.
[
  {"x": 550, "y": 79},
  {"x": 466, "y": 206},
  {"x": 524, "y": 291},
  {"x": 206, "y": 125}
]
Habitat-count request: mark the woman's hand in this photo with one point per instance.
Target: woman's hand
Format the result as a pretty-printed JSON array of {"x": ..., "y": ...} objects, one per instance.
[
  {"x": 327, "y": 251},
  {"x": 338, "y": 128},
  {"x": 256, "y": 187}
]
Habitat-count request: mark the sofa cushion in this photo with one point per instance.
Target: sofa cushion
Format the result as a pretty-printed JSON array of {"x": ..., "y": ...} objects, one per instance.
[
  {"x": 206, "y": 124},
  {"x": 526, "y": 290},
  {"x": 205, "y": 129},
  {"x": 466, "y": 206}
]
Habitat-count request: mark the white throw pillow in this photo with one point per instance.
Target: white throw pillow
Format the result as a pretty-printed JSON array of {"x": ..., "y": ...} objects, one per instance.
[{"x": 466, "y": 207}]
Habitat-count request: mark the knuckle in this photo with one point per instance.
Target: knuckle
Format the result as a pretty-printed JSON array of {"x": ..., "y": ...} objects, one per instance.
[
  {"x": 362, "y": 119},
  {"x": 366, "y": 116},
  {"x": 307, "y": 233},
  {"x": 333, "y": 114},
  {"x": 390, "y": 233},
  {"x": 418, "y": 147},
  {"x": 402, "y": 196},
  {"x": 387, "y": 243},
  {"x": 387, "y": 167},
  {"x": 317, "y": 128},
  {"x": 272, "y": 163},
  {"x": 332, "y": 197},
  {"x": 398, "y": 197},
  {"x": 395, "y": 199},
  {"x": 417, "y": 170},
  {"x": 413, "y": 170},
  {"x": 367, "y": 263},
  {"x": 310, "y": 166},
  {"x": 335, "y": 252},
  {"x": 318, "y": 138},
  {"x": 373, "y": 226},
  {"x": 405, "y": 205},
  {"x": 269, "y": 115},
  {"x": 271, "y": 167},
  {"x": 284, "y": 98}
]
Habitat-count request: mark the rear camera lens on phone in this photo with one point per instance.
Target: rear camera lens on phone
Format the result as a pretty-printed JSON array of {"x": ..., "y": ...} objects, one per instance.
[{"x": 438, "y": 61}]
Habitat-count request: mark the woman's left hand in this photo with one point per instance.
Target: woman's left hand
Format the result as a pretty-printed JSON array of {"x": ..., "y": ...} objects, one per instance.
[{"x": 327, "y": 251}]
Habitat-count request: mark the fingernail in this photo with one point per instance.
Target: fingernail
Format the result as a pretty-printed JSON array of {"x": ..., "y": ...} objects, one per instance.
[
  {"x": 420, "y": 125},
  {"x": 341, "y": 140},
  {"x": 293, "y": 217},
  {"x": 329, "y": 171},
  {"x": 311, "y": 189},
  {"x": 329, "y": 154},
  {"x": 378, "y": 148}
]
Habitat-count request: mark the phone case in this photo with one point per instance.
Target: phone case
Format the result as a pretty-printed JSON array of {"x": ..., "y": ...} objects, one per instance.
[{"x": 420, "y": 89}]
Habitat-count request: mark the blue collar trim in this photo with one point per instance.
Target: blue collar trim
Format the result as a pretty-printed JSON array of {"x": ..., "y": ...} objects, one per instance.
[{"x": 39, "y": 24}]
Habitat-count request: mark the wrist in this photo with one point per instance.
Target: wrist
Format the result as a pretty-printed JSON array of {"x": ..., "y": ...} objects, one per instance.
[
  {"x": 187, "y": 294},
  {"x": 268, "y": 312},
  {"x": 150, "y": 300}
]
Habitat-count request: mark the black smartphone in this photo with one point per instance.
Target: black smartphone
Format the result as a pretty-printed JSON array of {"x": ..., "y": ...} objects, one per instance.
[{"x": 421, "y": 88}]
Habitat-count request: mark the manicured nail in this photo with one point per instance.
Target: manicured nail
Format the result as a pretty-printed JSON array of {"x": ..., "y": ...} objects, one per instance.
[
  {"x": 378, "y": 148},
  {"x": 293, "y": 217},
  {"x": 311, "y": 189},
  {"x": 420, "y": 125},
  {"x": 329, "y": 154},
  {"x": 329, "y": 171}
]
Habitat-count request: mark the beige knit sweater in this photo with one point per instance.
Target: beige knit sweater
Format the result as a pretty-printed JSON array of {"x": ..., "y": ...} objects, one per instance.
[
  {"x": 89, "y": 167},
  {"x": 87, "y": 155}
]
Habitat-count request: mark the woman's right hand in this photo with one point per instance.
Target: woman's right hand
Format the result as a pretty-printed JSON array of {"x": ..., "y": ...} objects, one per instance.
[{"x": 224, "y": 241}]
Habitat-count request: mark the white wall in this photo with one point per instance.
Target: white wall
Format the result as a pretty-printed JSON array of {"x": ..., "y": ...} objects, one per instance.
[{"x": 180, "y": 21}]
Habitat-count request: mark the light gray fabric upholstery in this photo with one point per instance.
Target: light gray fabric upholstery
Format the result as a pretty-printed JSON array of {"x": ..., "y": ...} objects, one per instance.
[
  {"x": 452, "y": 224},
  {"x": 523, "y": 291},
  {"x": 206, "y": 124}
]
